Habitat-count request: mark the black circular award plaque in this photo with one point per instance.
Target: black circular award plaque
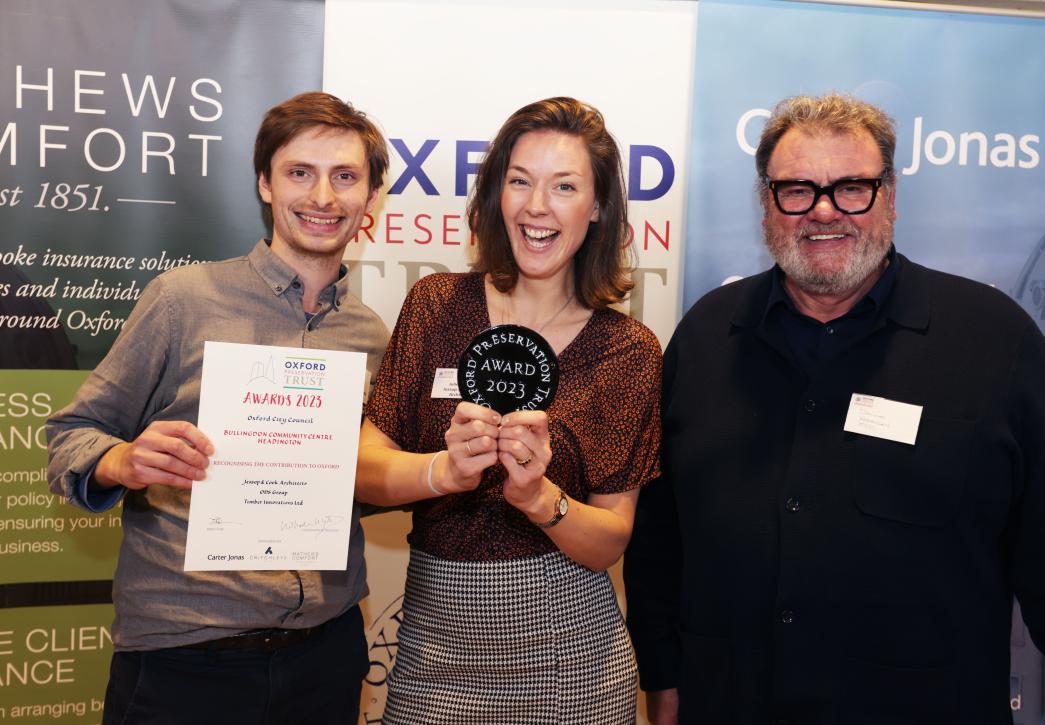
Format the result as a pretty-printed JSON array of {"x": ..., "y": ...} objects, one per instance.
[{"x": 508, "y": 367}]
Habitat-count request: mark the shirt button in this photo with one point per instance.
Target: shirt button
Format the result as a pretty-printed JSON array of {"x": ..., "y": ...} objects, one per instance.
[
  {"x": 295, "y": 284},
  {"x": 787, "y": 616},
  {"x": 278, "y": 288},
  {"x": 809, "y": 406},
  {"x": 830, "y": 330},
  {"x": 792, "y": 504}
]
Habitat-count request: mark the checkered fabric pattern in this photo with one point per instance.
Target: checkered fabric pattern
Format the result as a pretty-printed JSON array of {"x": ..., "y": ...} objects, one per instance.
[{"x": 524, "y": 641}]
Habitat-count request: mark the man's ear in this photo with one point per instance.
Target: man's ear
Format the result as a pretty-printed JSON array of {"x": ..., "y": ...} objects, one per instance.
[
  {"x": 371, "y": 200},
  {"x": 264, "y": 189}
]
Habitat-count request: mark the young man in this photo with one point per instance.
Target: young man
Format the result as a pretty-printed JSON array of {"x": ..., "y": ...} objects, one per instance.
[
  {"x": 235, "y": 646},
  {"x": 807, "y": 558}
]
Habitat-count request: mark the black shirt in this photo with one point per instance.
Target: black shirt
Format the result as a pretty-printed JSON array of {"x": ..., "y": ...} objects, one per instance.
[{"x": 812, "y": 342}]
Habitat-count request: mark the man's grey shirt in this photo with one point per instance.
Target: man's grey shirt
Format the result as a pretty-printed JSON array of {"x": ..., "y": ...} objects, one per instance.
[{"x": 152, "y": 373}]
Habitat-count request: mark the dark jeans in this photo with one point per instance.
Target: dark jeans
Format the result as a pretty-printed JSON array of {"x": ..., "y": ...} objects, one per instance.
[{"x": 315, "y": 681}]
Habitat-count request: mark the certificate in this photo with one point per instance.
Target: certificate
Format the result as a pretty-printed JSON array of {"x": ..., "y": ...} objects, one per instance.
[{"x": 284, "y": 422}]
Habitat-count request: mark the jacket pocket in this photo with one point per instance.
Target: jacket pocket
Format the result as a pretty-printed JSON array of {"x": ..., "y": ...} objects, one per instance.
[{"x": 923, "y": 484}]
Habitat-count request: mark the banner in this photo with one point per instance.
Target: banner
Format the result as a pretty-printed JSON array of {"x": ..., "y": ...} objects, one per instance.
[
  {"x": 453, "y": 75},
  {"x": 969, "y": 130},
  {"x": 54, "y": 663},
  {"x": 441, "y": 96},
  {"x": 126, "y": 143},
  {"x": 126, "y": 137},
  {"x": 965, "y": 92},
  {"x": 40, "y": 532}
]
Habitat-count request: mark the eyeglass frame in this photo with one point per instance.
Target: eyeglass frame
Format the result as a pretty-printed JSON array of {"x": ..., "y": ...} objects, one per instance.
[{"x": 828, "y": 190}]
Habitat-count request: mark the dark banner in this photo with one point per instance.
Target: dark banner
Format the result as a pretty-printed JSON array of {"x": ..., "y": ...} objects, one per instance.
[
  {"x": 126, "y": 137},
  {"x": 126, "y": 133}
]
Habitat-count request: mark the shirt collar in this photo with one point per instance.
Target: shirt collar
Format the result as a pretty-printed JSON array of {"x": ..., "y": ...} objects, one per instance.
[
  {"x": 279, "y": 276},
  {"x": 874, "y": 301}
]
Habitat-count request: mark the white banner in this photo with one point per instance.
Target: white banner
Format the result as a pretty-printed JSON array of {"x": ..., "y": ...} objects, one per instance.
[{"x": 440, "y": 79}]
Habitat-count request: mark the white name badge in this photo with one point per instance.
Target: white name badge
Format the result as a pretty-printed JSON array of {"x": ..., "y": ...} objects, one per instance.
[
  {"x": 444, "y": 385},
  {"x": 883, "y": 418}
]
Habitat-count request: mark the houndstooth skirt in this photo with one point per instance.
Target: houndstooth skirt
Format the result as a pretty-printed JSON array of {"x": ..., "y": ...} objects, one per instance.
[{"x": 535, "y": 640}]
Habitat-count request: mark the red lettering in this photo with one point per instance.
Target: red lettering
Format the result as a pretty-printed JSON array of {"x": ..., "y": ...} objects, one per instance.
[
  {"x": 447, "y": 229},
  {"x": 423, "y": 228},
  {"x": 389, "y": 228},
  {"x": 650, "y": 231},
  {"x": 368, "y": 224}
]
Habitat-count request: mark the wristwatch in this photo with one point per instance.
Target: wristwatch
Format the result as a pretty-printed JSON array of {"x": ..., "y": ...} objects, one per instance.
[{"x": 561, "y": 507}]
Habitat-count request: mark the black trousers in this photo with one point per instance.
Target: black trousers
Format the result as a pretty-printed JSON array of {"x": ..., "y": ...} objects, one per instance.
[{"x": 315, "y": 681}]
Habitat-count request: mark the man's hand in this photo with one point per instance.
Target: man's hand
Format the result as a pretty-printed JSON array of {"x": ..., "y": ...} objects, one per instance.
[
  {"x": 662, "y": 707},
  {"x": 168, "y": 452}
]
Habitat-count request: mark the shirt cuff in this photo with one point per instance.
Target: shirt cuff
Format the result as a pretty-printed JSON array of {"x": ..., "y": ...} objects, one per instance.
[{"x": 96, "y": 498}]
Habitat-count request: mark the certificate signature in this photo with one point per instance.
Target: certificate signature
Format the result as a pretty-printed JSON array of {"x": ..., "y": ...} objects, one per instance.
[{"x": 318, "y": 524}]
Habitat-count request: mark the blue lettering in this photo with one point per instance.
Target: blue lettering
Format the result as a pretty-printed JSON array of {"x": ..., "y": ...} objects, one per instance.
[
  {"x": 467, "y": 161},
  {"x": 413, "y": 169},
  {"x": 635, "y": 190},
  {"x": 463, "y": 167}
]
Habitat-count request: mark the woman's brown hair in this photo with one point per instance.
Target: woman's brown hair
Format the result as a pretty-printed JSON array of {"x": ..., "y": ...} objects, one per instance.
[{"x": 603, "y": 262}]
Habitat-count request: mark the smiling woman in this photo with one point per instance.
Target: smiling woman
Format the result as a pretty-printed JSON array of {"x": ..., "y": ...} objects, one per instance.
[
  {"x": 509, "y": 615},
  {"x": 547, "y": 202}
]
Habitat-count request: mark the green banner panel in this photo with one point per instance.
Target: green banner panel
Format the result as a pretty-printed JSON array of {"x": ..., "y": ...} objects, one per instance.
[
  {"x": 42, "y": 538},
  {"x": 54, "y": 663}
]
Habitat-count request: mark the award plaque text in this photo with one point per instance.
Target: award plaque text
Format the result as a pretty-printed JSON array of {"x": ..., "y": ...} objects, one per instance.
[{"x": 508, "y": 367}]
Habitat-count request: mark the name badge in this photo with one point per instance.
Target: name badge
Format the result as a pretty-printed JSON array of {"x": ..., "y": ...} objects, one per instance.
[
  {"x": 882, "y": 418},
  {"x": 444, "y": 385}
]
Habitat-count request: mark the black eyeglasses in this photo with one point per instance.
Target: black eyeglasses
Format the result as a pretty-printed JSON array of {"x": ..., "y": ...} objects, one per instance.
[{"x": 849, "y": 196}]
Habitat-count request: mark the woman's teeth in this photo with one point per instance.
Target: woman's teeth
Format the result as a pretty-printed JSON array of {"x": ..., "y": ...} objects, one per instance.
[{"x": 538, "y": 234}]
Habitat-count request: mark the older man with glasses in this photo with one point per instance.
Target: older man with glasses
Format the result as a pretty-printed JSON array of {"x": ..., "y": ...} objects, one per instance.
[{"x": 854, "y": 467}]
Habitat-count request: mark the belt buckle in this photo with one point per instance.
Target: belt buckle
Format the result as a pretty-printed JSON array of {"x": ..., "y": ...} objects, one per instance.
[{"x": 268, "y": 640}]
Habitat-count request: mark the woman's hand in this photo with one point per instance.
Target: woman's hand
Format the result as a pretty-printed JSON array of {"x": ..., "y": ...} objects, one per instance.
[
  {"x": 471, "y": 442},
  {"x": 524, "y": 449}
]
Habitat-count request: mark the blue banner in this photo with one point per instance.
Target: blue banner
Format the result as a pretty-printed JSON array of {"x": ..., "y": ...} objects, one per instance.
[{"x": 964, "y": 90}]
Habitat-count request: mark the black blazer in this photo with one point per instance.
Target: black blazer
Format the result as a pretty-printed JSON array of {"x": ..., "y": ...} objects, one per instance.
[{"x": 783, "y": 569}]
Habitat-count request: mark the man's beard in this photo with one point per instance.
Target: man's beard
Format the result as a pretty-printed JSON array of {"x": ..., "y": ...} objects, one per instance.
[{"x": 862, "y": 259}]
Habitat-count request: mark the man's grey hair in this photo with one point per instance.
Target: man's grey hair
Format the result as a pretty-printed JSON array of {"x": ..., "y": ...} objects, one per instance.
[{"x": 833, "y": 112}]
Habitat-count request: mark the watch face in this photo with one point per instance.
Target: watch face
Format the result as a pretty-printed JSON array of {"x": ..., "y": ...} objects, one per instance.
[{"x": 564, "y": 504}]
